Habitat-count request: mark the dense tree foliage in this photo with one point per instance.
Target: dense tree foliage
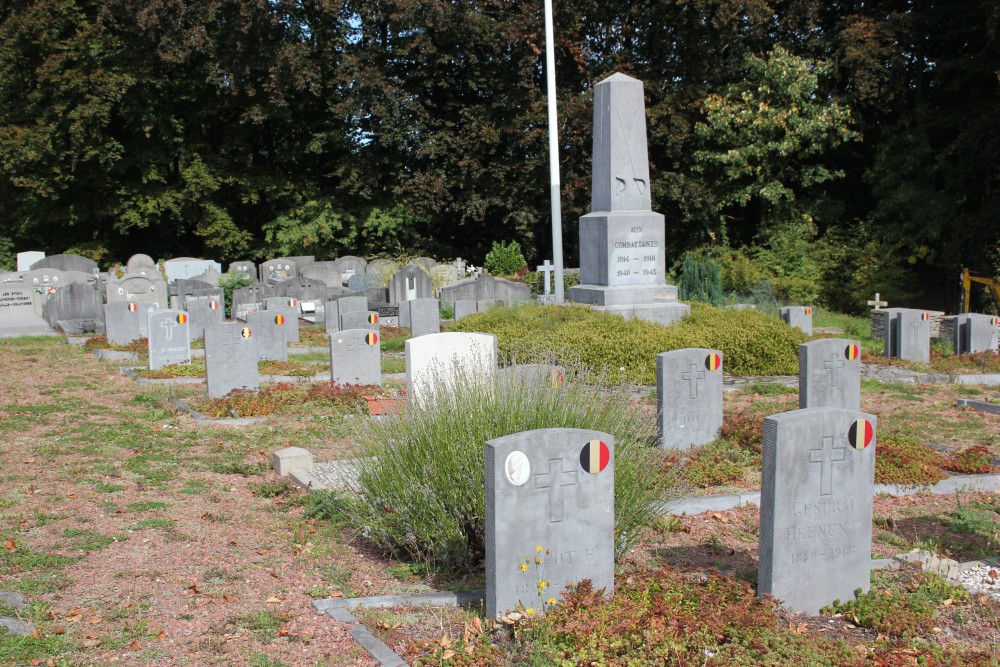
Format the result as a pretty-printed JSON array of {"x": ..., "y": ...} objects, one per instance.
[{"x": 837, "y": 145}]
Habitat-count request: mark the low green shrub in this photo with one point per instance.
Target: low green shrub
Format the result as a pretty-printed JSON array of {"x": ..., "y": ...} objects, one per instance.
[
  {"x": 504, "y": 259},
  {"x": 420, "y": 491},
  {"x": 751, "y": 343},
  {"x": 902, "y": 460}
]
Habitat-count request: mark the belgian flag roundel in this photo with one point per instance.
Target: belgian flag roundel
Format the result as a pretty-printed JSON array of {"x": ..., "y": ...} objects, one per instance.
[
  {"x": 132, "y": 307},
  {"x": 595, "y": 456},
  {"x": 371, "y": 338},
  {"x": 925, "y": 316},
  {"x": 995, "y": 321},
  {"x": 214, "y": 305},
  {"x": 860, "y": 434},
  {"x": 809, "y": 311},
  {"x": 852, "y": 352},
  {"x": 182, "y": 318},
  {"x": 293, "y": 303},
  {"x": 279, "y": 319},
  {"x": 713, "y": 362},
  {"x": 246, "y": 332},
  {"x": 372, "y": 318}
]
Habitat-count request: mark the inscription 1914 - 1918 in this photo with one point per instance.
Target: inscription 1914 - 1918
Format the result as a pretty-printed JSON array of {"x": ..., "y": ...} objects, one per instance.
[{"x": 636, "y": 258}]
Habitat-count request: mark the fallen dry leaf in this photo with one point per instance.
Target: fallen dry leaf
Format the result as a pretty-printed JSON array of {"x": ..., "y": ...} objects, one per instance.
[
  {"x": 272, "y": 600},
  {"x": 448, "y": 655},
  {"x": 10, "y": 544}
]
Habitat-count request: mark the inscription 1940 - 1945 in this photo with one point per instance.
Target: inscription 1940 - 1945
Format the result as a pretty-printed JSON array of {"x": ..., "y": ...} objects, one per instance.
[{"x": 636, "y": 258}]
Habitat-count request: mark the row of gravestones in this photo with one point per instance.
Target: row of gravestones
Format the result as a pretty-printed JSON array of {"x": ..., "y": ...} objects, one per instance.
[{"x": 689, "y": 387}]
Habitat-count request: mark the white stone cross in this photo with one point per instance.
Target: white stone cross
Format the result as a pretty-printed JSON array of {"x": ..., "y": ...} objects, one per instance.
[
  {"x": 826, "y": 455},
  {"x": 548, "y": 269},
  {"x": 554, "y": 480},
  {"x": 878, "y": 303},
  {"x": 692, "y": 376}
]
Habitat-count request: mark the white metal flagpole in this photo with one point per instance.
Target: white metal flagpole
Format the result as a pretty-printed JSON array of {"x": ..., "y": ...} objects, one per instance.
[{"x": 550, "y": 76}]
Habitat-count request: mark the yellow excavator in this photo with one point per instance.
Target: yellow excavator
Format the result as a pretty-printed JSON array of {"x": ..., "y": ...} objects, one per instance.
[{"x": 992, "y": 285}]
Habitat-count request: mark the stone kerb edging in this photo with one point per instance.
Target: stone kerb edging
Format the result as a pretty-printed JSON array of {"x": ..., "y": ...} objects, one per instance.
[
  {"x": 979, "y": 406},
  {"x": 130, "y": 371},
  {"x": 202, "y": 419}
]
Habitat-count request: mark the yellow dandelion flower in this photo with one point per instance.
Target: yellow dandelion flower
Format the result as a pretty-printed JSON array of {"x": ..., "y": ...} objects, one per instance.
[
  {"x": 538, "y": 547},
  {"x": 530, "y": 611},
  {"x": 551, "y": 600},
  {"x": 524, "y": 568},
  {"x": 538, "y": 561},
  {"x": 543, "y": 584}
]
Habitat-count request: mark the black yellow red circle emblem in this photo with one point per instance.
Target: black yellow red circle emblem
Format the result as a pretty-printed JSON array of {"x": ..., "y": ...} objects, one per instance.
[
  {"x": 925, "y": 316},
  {"x": 713, "y": 362},
  {"x": 182, "y": 318},
  {"x": 861, "y": 434},
  {"x": 132, "y": 307},
  {"x": 371, "y": 338},
  {"x": 809, "y": 311},
  {"x": 595, "y": 456},
  {"x": 279, "y": 320},
  {"x": 246, "y": 332},
  {"x": 852, "y": 352},
  {"x": 372, "y": 318},
  {"x": 214, "y": 305}
]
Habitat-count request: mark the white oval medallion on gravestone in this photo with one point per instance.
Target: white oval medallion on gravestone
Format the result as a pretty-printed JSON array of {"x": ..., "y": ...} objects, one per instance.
[{"x": 516, "y": 468}]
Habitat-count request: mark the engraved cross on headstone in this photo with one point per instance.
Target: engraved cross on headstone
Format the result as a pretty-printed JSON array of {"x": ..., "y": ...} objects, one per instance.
[
  {"x": 693, "y": 376},
  {"x": 554, "y": 480},
  {"x": 168, "y": 326},
  {"x": 834, "y": 365},
  {"x": 826, "y": 455}
]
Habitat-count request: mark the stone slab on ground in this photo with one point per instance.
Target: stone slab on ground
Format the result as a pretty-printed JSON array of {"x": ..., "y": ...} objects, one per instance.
[
  {"x": 979, "y": 406},
  {"x": 17, "y": 626}
]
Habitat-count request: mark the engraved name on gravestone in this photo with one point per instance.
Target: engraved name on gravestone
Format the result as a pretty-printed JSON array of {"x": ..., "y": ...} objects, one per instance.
[
  {"x": 689, "y": 397},
  {"x": 289, "y": 307},
  {"x": 830, "y": 374},
  {"x": 816, "y": 506},
  {"x": 17, "y": 312},
  {"x": 250, "y": 298},
  {"x": 800, "y": 317},
  {"x": 169, "y": 337},
  {"x": 550, "y": 519},
  {"x": 976, "y": 332},
  {"x": 424, "y": 317},
  {"x": 912, "y": 331},
  {"x": 230, "y": 359},
  {"x": 269, "y": 334},
  {"x": 356, "y": 357},
  {"x": 440, "y": 362},
  {"x": 360, "y": 320},
  {"x": 125, "y": 322}
]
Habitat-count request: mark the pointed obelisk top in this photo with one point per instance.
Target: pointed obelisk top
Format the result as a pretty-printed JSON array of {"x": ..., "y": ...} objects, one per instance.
[{"x": 621, "y": 166}]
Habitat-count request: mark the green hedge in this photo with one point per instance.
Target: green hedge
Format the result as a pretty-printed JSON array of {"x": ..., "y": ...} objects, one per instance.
[{"x": 751, "y": 343}]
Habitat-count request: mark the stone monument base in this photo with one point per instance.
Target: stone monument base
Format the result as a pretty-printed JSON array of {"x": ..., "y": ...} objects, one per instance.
[{"x": 653, "y": 303}]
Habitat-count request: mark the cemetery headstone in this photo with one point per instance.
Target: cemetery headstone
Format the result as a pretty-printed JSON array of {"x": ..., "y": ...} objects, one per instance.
[
  {"x": 269, "y": 334},
  {"x": 485, "y": 287},
  {"x": 403, "y": 313},
  {"x": 204, "y": 313},
  {"x": 356, "y": 357},
  {"x": 688, "y": 397},
  {"x": 440, "y": 362},
  {"x": 275, "y": 270},
  {"x": 27, "y": 258},
  {"x": 289, "y": 307},
  {"x": 799, "y": 317},
  {"x": 908, "y": 334},
  {"x": 410, "y": 282},
  {"x": 17, "y": 312},
  {"x": 126, "y": 321},
  {"x": 302, "y": 261},
  {"x": 382, "y": 270},
  {"x": 425, "y": 263},
  {"x": 464, "y": 308},
  {"x": 188, "y": 267},
  {"x": 486, "y": 304},
  {"x": 79, "y": 303},
  {"x": 830, "y": 374},
  {"x": 303, "y": 289},
  {"x": 325, "y": 272},
  {"x": 67, "y": 263},
  {"x": 550, "y": 498},
  {"x": 424, "y": 317},
  {"x": 180, "y": 290},
  {"x": 816, "y": 506},
  {"x": 140, "y": 261},
  {"x": 169, "y": 338},
  {"x": 243, "y": 266},
  {"x": 250, "y": 298},
  {"x": 976, "y": 332},
  {"x": 151, "y": 289},
  {"x": 211, "y": 276},
  {"x": 350, "y": 265},
  {"x": 360, "y": 320},
  {"x": 361, "y": 282},
  {"x": 230, "y": 358},
  {"x": 622, "y": 254}
]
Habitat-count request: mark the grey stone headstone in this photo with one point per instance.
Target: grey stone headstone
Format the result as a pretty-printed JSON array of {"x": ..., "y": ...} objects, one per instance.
[
  {"x": 270, "y": 334},
  {"x": 426, "y": 263},
  {"x": 424, "y": 317},
  {"x": 816, "y": 506},
  {"x": 280, "y": 268},
  {"x": 403, "y": 313},
  {"x": 360, "y": 282},
  {"x": 622, "y": 260},
  {"x": 47, "y": 281},
  {"x": 464, "y": 308},
  {"x": 909, "y": 334},
  {"x": 181, "y": 290},
  {"x": 976, "y": 333},
  {"x": 139, "y": 288},
  {"x": 437, "y": 362},
  {"x": 75, "y": 301},
  {"x": 17, "y": 312},
  {"x": 485, "y": 287},
  {"x": 360, "y": 320},
  {"x": 350, "y": 265},
  {"x": 377, "y": 294},
  {"x": 138, "y": 261},
  {"x": 243, "y": 266},
  {"x": 169, "y": 338},
  {"x": 800, "y": 317},
  {"x": 67, "y": 263},
  {"x": 382, "y": 270},
  {"x": 211, "y": 276},
  {"x": 410, "y": 282},
  {"x": 27, "y": 258},
  {"x": 486, "y": 304},
  {"x": 688, "y": 397},
  {"x": 331, "y": 316},
  {"x": 325, "y": 272},
  {"x": 188, "y": 267},
  {"x": 125, "y": 322},
  {"x": 303, "y": 289},
  {"x": 289, "y": 307},
  {"x": 230, "y": 359},
  {"x": 356, "y": 357},
  {"x": 204, "y": 313},
  {"x": 250, "y": 298},
  {"x": 830, "y": 374},
  {"x": 302, "y": 261},
  {"x": 352, "y": 304},
  {"x": 555, "y": 489}
]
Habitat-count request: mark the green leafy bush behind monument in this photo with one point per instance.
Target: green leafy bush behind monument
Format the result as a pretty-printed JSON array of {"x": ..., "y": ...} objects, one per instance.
[
  {"x": 420, "y": 491},
  {"x": 751, "y": 343},
  {"x": 504, "y": 259}
]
